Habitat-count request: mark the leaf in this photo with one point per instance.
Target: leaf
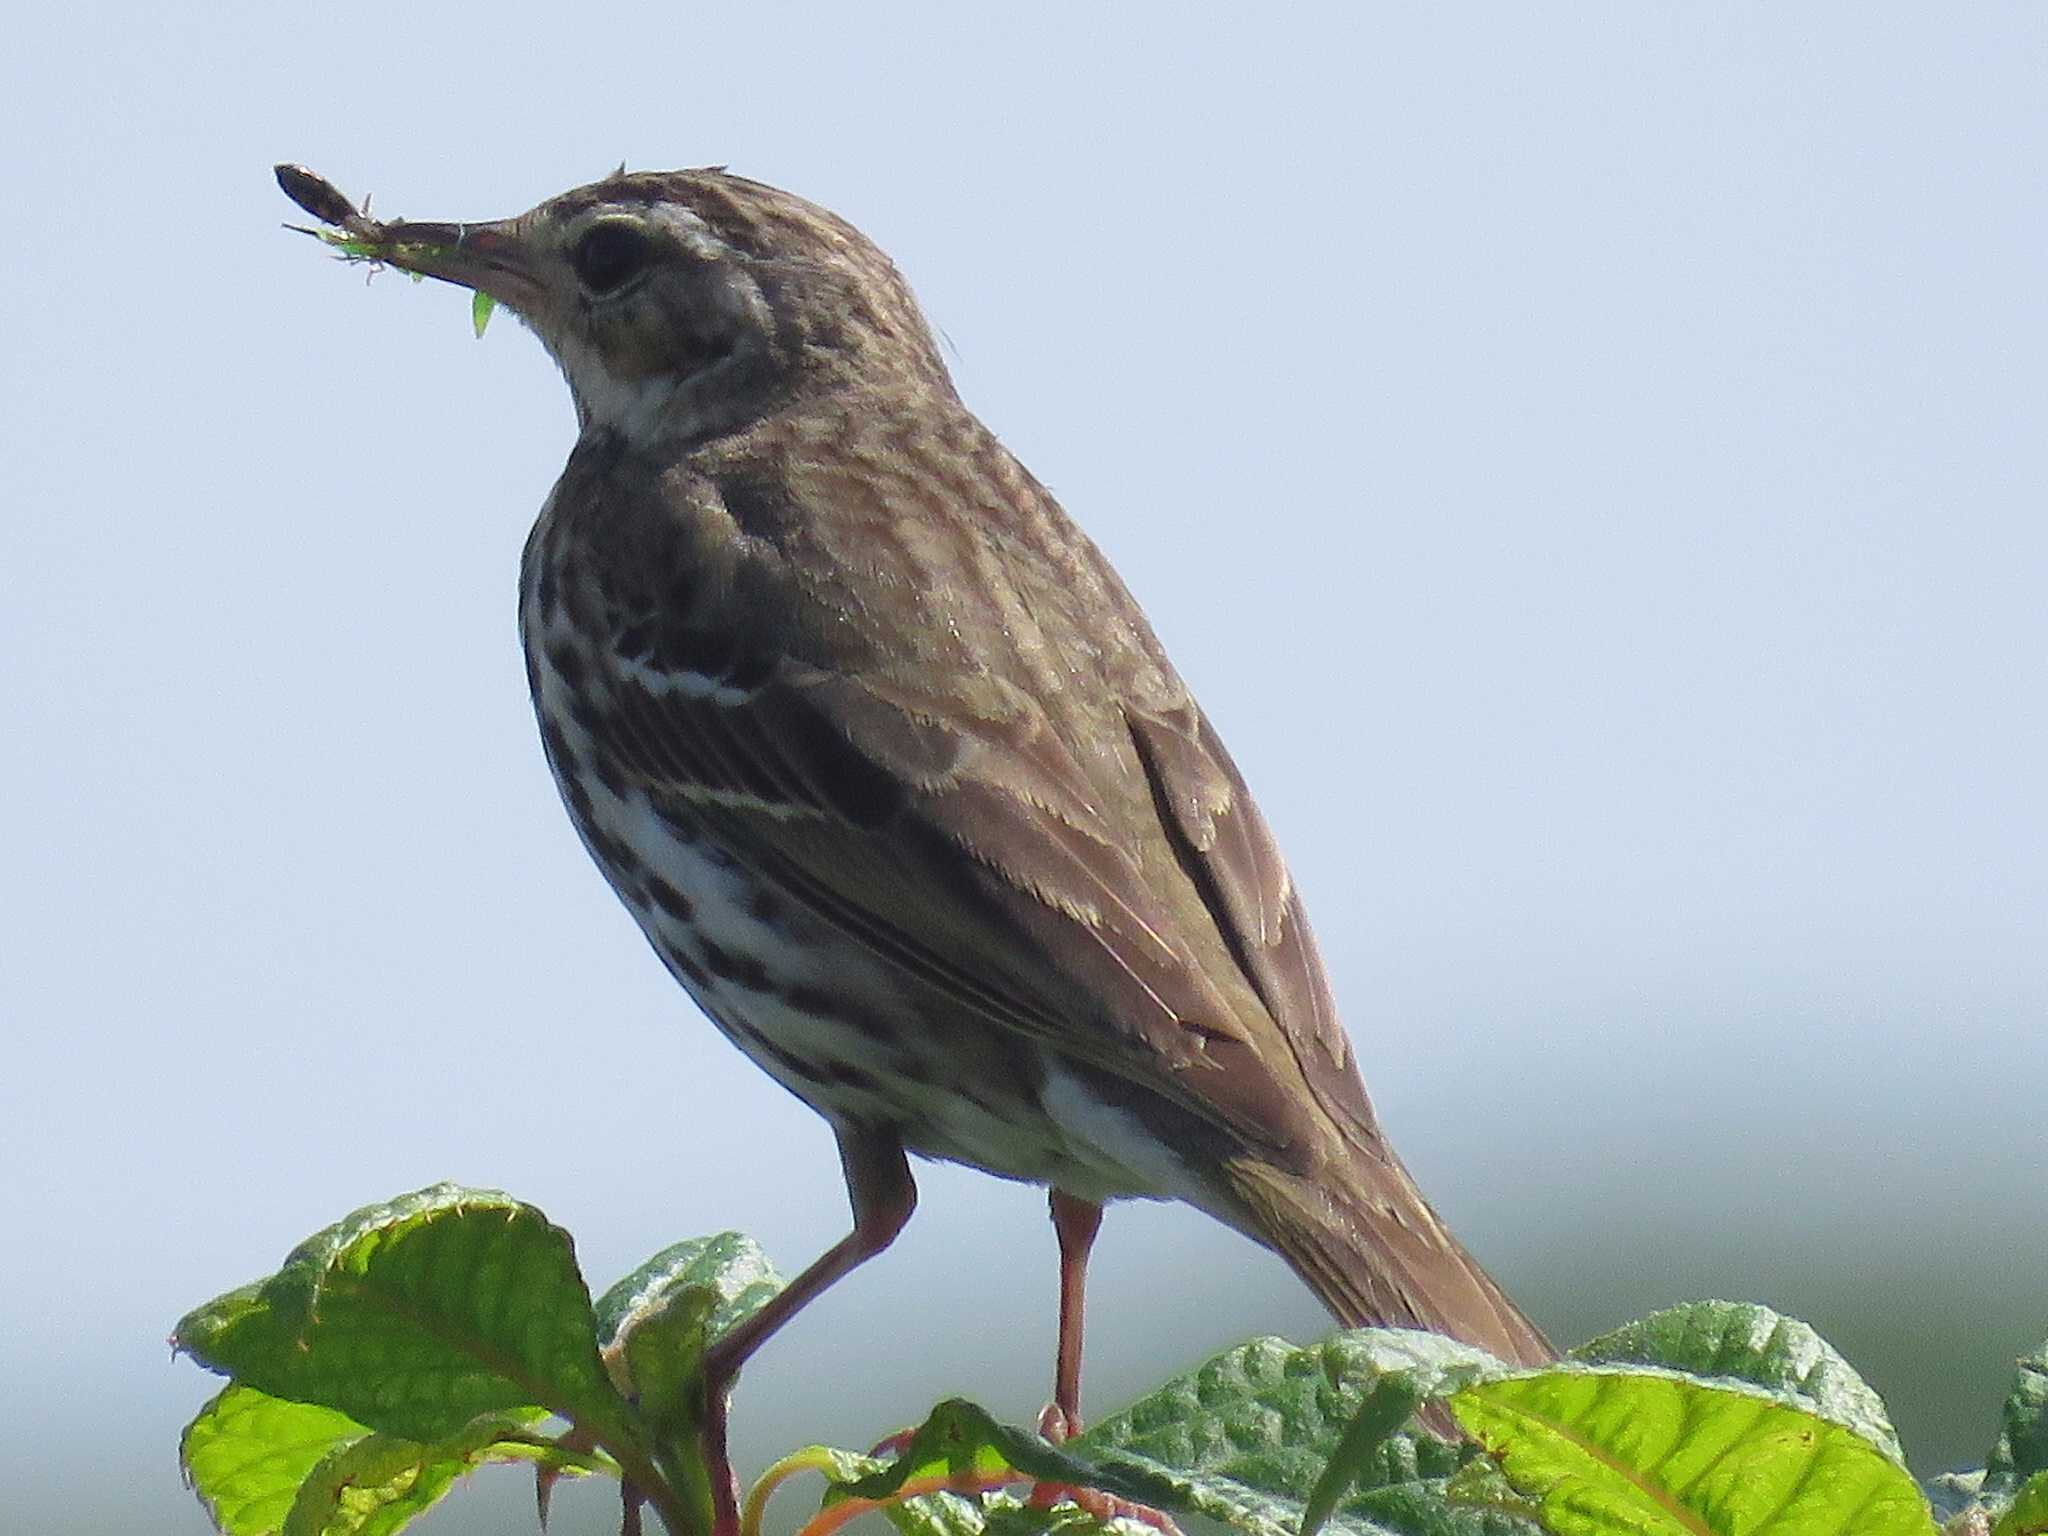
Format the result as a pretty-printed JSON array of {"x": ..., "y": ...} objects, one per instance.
[
  {"x": 1391, "y": 1403},
  {"x": 2028, "y": 1515},
  {"x": 655, "y": 1326},
  {"x": 660, "y": 1357},
  {"x": 1245, "y": 1440},
  {"x": 371, "y": 1488},
  {"x": 730, "y": 1264},
  {"x": 1248, "y": 1437},
  {"x": 1954, "y": 1494},
  {"x": 379, "y": 1484},
  {"x": 926, "y": 1514},
  {"x": 661, "y": 1354},
  {"x": 1271, "y": 1415},
  {"x": 246, "y": 1454},
  {"x": 2022, "y": 1448},
  {"x": 1614, "y": 1451},
  {"x": 480, "y": 306},
  {"x": 959, "y": 1448},
  {"x": 1749, "y": 1343},
  {"x": 960, "y": 1441},
  {"x": 262, "y": 1465},
  {"x": 994, "y": 1514},
  {"x": 416, "y": 1316}
]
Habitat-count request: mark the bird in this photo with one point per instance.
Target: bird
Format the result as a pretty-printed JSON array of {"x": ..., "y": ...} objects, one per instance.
[{"x": 893, "y": 772}]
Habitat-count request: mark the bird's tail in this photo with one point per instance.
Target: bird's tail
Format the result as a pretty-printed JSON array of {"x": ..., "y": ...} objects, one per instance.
[{"x": 1366, "y": 1242}]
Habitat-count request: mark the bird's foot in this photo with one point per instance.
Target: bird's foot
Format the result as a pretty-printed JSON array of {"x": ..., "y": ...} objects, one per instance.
[
  {"x": 1103, "y": 1507},
  {"x": 1056, "y": 1426}
]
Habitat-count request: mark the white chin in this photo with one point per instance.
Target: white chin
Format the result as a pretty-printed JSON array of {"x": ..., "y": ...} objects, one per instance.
[{"x": 633, "y": 408}]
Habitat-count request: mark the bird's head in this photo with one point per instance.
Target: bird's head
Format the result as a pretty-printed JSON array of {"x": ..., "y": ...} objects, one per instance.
[{"x": 681, "y": 305}]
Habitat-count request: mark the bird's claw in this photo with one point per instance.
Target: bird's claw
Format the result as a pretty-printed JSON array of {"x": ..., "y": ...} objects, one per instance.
[
  {"x": 1102, "y": 1507},
  {"x": 1056, "y": 1426}
]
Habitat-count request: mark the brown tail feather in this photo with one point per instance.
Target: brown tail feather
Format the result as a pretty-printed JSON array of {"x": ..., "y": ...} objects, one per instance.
[{"x": 1367, "y": 1243}]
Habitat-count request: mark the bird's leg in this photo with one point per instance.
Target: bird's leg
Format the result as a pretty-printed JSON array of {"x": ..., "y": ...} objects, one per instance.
[
  {"x": 883, "y": 1194},
  {"x": 1075, "y": 1222}
]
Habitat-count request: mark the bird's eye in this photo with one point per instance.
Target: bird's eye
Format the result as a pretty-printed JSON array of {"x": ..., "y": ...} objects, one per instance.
[{"x": 609, "y": 256}]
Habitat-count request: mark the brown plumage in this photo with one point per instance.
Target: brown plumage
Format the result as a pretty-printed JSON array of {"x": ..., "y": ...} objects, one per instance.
[{"x": 895, "y": 775}]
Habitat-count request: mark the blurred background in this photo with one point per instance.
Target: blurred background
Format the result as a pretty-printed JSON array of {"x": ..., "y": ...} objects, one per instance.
[{"x": 1589, "y": 460}]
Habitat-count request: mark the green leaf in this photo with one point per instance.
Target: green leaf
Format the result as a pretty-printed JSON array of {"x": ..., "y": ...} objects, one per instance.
[
  {"x": 660, "y": 1353},
  {"x": 1245, "y": 1440},
  {"x": 2028, "y": 1515},
  {"x": 960, "y": 1440},
  {"x": 1249, "y": 1436},
  {"x": 994, "y": 1514},
  {"x": 1754, "y": 1344},
  {"x": 1248, "y": 1439},
  {"x": 961, "y": 1447},
  {"x": 1609, "y": 1452},
  {"x": 2022, "y": 1448},
  {"x": 264, "y": 1466},
  {"x": 416, "y": 1316},
  {"x": 1391, "y": 1403},
  {"x": 379, "y": 1484},
  {"x": 246, "y": 1454},
  {"x": 730, "y": 1265},
  {"x": 655, "y": 1326},
  {"x": 480, "y": 306}
]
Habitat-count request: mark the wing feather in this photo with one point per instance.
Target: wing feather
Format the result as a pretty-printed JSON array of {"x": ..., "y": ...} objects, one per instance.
[
  {"x": 857, "y": 803},
  {"x": 1120, "y": 898}
]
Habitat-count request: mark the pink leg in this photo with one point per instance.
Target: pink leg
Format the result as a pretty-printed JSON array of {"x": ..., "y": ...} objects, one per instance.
[
  {"x": 882, "y": 1194},
  {"x": 1075, "y": 1222}
]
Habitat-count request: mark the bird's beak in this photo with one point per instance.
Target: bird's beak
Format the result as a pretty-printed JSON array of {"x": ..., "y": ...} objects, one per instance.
[
  {"x": 498, "y": 259},
  {"x": 490, "y": 258}
]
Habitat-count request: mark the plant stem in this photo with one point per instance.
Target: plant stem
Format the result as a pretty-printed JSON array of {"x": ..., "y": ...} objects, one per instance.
[{"x": 648, "y": 1480}]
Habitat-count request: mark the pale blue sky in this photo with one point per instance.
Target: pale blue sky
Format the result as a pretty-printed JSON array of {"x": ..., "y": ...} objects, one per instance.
[{"x": 1589, "y": 460}]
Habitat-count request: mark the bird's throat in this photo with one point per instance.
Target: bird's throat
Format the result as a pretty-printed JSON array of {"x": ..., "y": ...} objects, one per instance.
[{"x": 640, "y": 410}]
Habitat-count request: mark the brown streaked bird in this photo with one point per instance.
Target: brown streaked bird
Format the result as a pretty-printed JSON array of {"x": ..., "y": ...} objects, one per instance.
[{"x": 893, "y": 773}]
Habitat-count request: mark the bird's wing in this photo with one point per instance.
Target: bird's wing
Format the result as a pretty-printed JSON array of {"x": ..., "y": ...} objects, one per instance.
[
  {"x": 997, "y": 782},
  {"x": 1130, "y": 911},
  {"x": 1232, "y": 858}
]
